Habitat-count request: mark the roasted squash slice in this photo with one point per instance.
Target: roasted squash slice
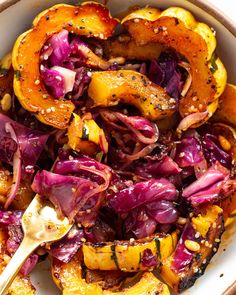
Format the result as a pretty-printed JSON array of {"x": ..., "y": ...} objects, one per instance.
[
  {"x": 177, "y": 29},
  {"x": 126, "y": 47},
  {"x": 108, "y": 88},
  {"x": 21, "y": 285},
  {"x": 209, "y": 227},
  {"x": 68, "y": 277},
  {"x": 126, "y": 255},
  {"x": 226, "y": 112},
  {"x": 90, "y": 20},
  {"x": 86, "y": 136}
]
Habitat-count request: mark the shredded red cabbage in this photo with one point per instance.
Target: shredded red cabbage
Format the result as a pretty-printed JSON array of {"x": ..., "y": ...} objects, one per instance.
[
  {"x": 154, "y": 168},
  {"x": 54, "y": 81},
  {"x": 60, "y": 48},
  {"x": 65, "y": 192},
  {"x": 10, "y": 217},
  {"x": 213, "y": 185},
  {"x": 188, "y": 152},
  {"x": 162, "y": 211},
  {"x": 31, "y": 142},
  {"x": 213, "y": 152},
  {"x": 139, "y": 224},
  {"x": 68, "y": 246},
  {"x": 13, "y": 242},
  {"x": 149, "y": 259},
  {"x": 182, "y": 256},
  {"x": 143, "y": 193}
]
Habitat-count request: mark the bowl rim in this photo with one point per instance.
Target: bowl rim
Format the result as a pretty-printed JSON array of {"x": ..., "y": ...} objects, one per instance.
[{"x": 212, "y": 10}]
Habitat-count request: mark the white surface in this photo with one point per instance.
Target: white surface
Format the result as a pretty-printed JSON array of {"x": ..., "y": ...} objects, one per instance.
[
  {"x": 227, "y": 6},
  {"x": 19, "y": 17}
]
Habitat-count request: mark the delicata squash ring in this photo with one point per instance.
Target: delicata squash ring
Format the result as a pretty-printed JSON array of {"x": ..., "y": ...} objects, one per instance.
[
  {"x": 176, "y": 28},
  {"x": 89, "y": 19},
  {"x": 126, "y": 255},
  {"x": 68, "y": 277},
  {"x": 108, "y": 88}
]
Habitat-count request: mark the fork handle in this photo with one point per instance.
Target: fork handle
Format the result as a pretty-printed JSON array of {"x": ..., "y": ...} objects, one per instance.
[{"x": 13, "y": 267}]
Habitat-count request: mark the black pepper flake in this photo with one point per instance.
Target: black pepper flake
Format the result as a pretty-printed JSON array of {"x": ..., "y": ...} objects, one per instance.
[
  {"x": 82, "y": 28},
  {"x": 158, "y": 106},
  {"x": 85, "y": 133},
  {"x": 221, "y": 275},
  {"x": 213, "y": 65},
  {"x": 176, "y": 21},
  {"x": 144, "y": 81},
  {"x": 47, "y": 17}
]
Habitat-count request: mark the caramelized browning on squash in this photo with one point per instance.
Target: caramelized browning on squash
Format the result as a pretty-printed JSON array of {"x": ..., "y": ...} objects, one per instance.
[
  {"x": 90, "y": 20},
  {"x": 108, "y": 88},
  {"x": 209, "y": 227},
  {"x": 177, "y": 28},
  {"x": 126, "y": 255},
  {"x": 68, "y": 277},
  {"x": 127, "y": 48}
]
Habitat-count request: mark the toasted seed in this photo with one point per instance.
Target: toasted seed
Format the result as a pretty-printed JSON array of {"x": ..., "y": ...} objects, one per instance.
[
  {"x": 226, "y": 145},
  {"x": 6, "y": 102},
  {"x": 181, "y": 220},
  {"x": 192, "y": 245}
]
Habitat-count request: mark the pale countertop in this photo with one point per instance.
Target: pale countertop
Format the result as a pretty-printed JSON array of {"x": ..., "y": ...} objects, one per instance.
[{"x": 226, "y": 6}]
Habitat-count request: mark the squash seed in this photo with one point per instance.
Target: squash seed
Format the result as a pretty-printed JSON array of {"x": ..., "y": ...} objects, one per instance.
[
  {"x": 192, "y": 245},
  {"x": 6, "y": 102},
  {"x": 226, "y": 145}
]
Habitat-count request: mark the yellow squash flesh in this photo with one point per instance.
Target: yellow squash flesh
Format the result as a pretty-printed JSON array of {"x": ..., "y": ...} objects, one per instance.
[
  {"x": 108, "y": 88},
  {"x": 177, "y": 29},
  {"x": 126, "y": 255},
  {"x": 68, "y": 277},
  {"x": 90, "y": 19}
]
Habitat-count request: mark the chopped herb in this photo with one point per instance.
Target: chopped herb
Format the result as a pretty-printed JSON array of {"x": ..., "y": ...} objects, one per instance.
[
  {"x": 113, "y": 256},
  {"x": 213, "y": 65},
  {"x": 85, "y": 133},
  {"x": 158, "y": 252}
]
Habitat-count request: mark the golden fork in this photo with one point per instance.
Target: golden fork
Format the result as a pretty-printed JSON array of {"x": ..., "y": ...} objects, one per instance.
[{"x": 40, "y": 225}]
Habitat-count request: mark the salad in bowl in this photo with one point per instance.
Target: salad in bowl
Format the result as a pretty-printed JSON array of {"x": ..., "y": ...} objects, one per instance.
[{"x": 127, "y": 127}]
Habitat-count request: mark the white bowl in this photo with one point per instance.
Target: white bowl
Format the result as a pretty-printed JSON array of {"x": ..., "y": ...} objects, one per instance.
[{"x": 17, "y": 16}]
